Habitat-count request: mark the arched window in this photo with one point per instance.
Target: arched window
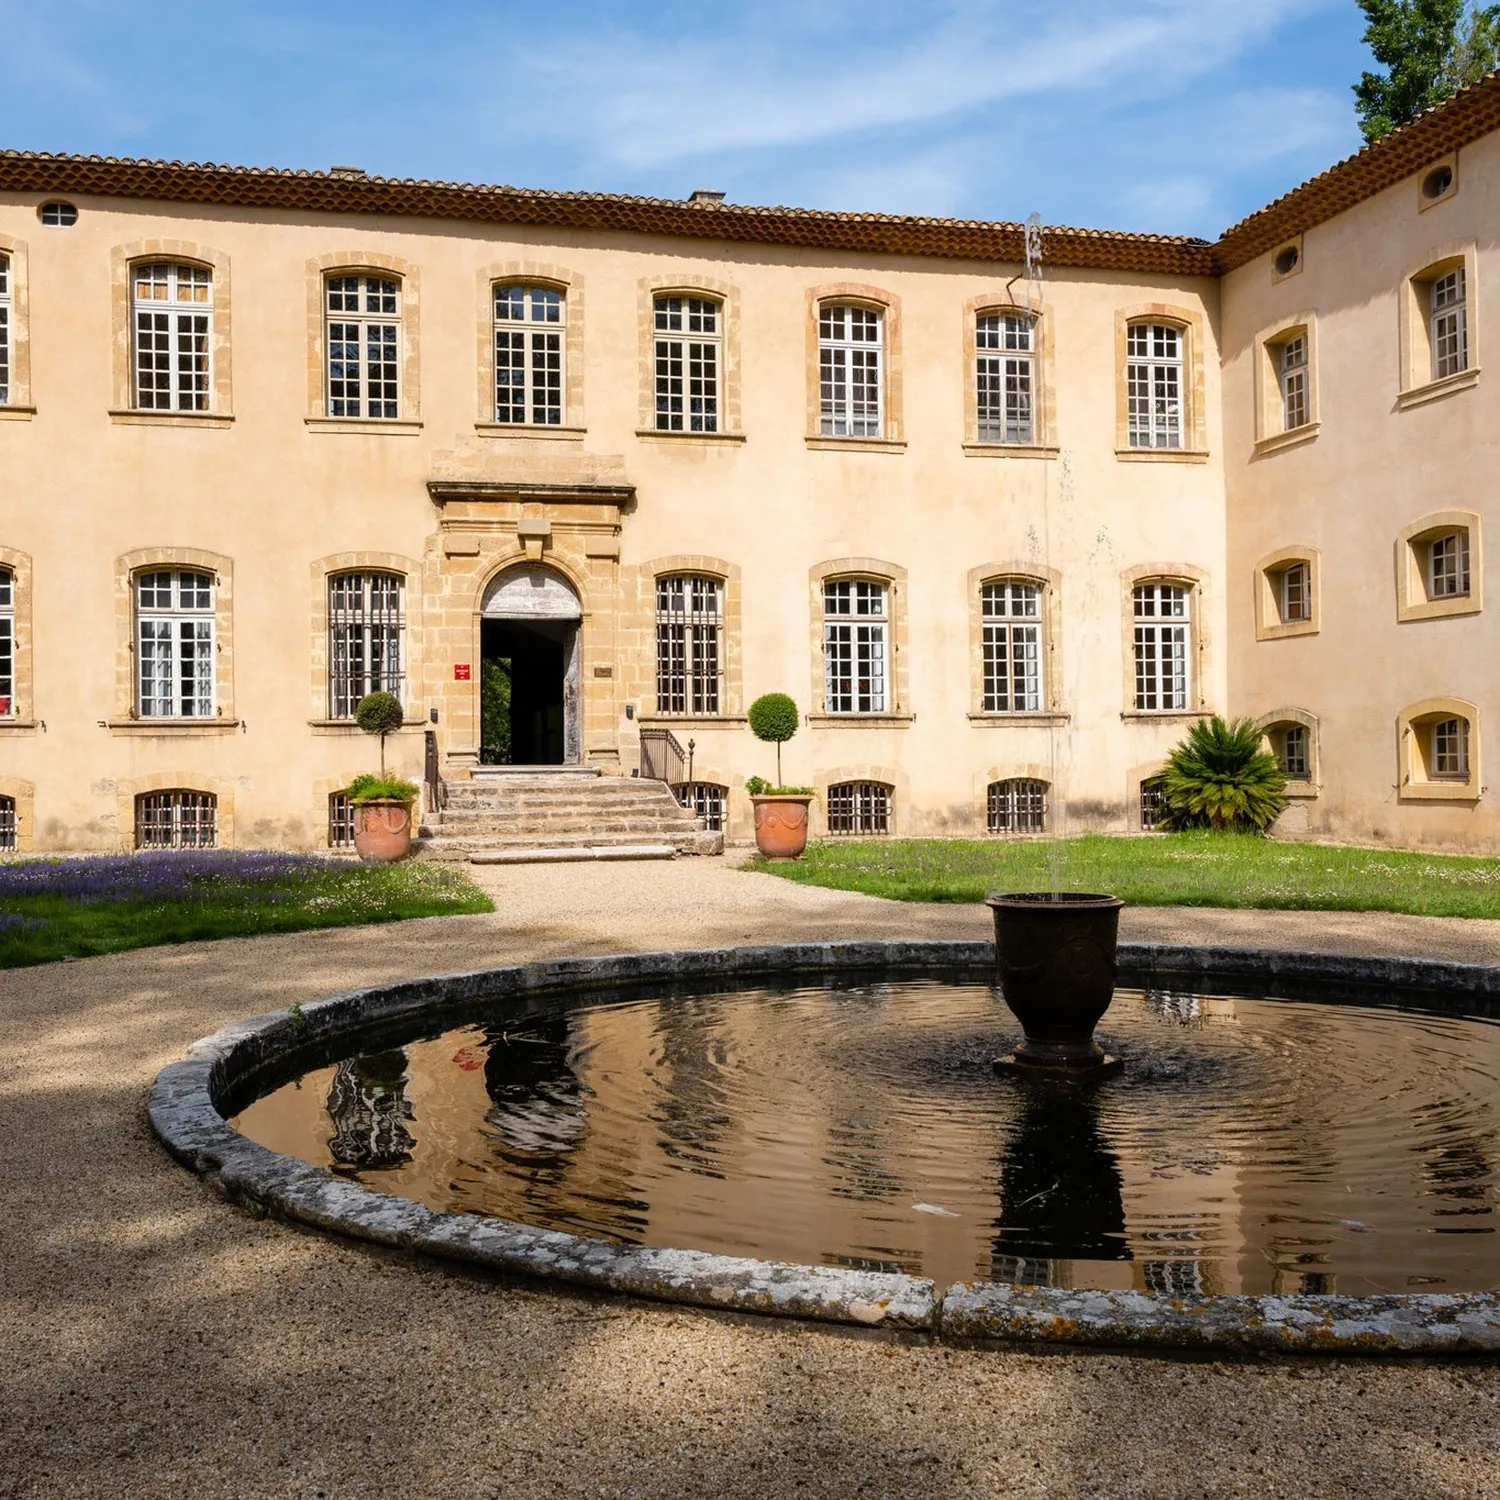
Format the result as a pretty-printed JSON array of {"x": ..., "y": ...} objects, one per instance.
[
  {"x": 177, "y": 819},
  {"x": 529, "y": 323},
  {"x": 850, "y": 374},
  {"x": 689, "y": 658},
  {"x": 859, "y": 807},
  {"x": 1154, "y": 359},
  {"x": 1152, "y": 805},
  {"x": 1440, "y": 754},
  {"x": 1011, "y": 626},
  {"x": 340, "y": 821},
  {"x": 5, "y": 325},
  {"x": 9, "y": 838},
  {"x": 173, "y": 335},
  {"x": 856, "y": 620},
  {"x": 174, "y": 642},
  {"x": 688, "y": 341},
  {"x": 363, "y": 346},
  {"x": 1006, "y": 384},
  {"x": 366, "y": 626},
  {"x": 1163, "y": 638},
  {"x": 7, "y": 643},
  {"x": 707, "y": 800},
  {"x": 1018, "y": 805}
]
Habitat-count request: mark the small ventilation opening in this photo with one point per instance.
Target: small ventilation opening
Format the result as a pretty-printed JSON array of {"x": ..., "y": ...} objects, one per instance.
[
  {"x": 1286, "y": 260},
  {"x": 1437, "y": 182},
  {"x": 706, "y": 195},
  {"x": 347, "y": 172},
  {"x": 58, "y": 215}
]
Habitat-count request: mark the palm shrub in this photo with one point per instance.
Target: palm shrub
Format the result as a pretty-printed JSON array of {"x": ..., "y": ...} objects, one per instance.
[{"x": 1222, "y": 777}]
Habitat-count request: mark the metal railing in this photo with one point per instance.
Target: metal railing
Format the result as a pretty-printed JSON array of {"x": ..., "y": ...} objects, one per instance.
[
  {"x": 432, "y": 780},
  {"x": 662, "y": 757}
]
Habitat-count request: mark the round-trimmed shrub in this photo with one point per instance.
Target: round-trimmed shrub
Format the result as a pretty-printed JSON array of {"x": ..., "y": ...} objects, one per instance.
[
  {"x": 379, "y": 713},
  {"x": 773, "y": 718}
]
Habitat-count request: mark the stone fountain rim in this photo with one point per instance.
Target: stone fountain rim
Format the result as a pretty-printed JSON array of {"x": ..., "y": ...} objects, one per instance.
[{"x": 184, "y": 1114}]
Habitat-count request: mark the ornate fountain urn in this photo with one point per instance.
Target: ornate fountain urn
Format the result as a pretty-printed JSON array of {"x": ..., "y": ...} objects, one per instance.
[{"x": 1056, "y": 957}]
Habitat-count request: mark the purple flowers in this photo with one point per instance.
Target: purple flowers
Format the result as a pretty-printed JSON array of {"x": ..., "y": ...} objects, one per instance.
[{"x": 164, "y": 875}]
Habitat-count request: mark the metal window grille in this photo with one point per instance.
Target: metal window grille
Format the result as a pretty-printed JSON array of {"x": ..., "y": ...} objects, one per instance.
[
  {"x": 1153, "y": 804},
  {"x": 1161, "y": 647},
  {"x": 1153, "y": 385},
  {"x": 1448, "y": 566},
  {"x": 366, "y": 629},
  {"x": 1450, "y": 748},
  {"x": 176, "y": 820},
  {"x": 1012, "y": 645},
  {"x": 174, "y": 611},
  {"x": 340, "y": 821},
  {"x": 364, "y": 346},
  {"x": 859, "y": 807},
  {"x": 1016, "y": 806},
  {"x": 1006, "y": 377},
  {"x": 1450, "y": 325},
  {"x": 689, "y": 663},
  {"x": 529, "y": 355},
  {"x": 8, "y": 840},
  {"x": 1294, "y": 412},
  {"x": 850, "y": 340},
  {"x": 687, "y": 364},
  {"x": 1296, "y": 593},
  {"x": 4, "y": 330},
  {"x": 854, "y": 646},
  {"x": 173, "y": 336},
  {"x": 1294, "y": 752},
  {"x": 706, "y": 800},
  {"x": 7, "y": 643}
]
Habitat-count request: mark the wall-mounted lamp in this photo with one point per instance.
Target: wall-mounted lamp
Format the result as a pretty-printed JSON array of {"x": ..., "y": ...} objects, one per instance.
[{"x": 630, "y": 710}]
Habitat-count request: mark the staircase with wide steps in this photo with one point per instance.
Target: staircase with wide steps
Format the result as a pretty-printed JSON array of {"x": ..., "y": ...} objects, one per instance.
[{"x": 546, "y": 814}]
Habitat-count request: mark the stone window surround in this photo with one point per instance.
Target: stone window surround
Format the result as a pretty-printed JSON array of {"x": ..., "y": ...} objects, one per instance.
[
  {"x": 731, "y": 636},
  {"x": 321, "y": 571},
  {"x": 123, "y": 259},
  {"x": 1135, "y": 778},
  {"x": 126, "y": 791},
  {"x": 893, "y": 428},
  {"x": 23, "y": 794},
  {"x": 1015, "y": 770},
  {"x": 1417, "y": 385},
  {"x": 1280, "y": 718},
  {"x": 559, "y": 279},
  {"x": 1195, "y": 580},
  {"x": 125, "y": 719},
  {"x": 19, "y": 408},
  {"x": 1050, "y": 582},
  {"x": 363, "y": 263},
  {"x": 895, "y": 782},
  {"x": 1449, "y": 160},
  {"x": 22, "y": 719},
  {"x": 1412, "y": 602},
  {"x": 897, "y": 688},
  {"x": 1270, "y": 435},
  {"x": 1044, "y": 375},
  {"x": 317, "y": 811},
  {"x": 1269, "y": 626},
  {"x": 1412, "y": 782},
  {"x": 727, "y": 295},
  {"x": 1194, "y": 390}
]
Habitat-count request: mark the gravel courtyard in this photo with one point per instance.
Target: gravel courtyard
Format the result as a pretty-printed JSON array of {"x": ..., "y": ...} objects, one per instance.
[{"x": 155, "y": 1341}]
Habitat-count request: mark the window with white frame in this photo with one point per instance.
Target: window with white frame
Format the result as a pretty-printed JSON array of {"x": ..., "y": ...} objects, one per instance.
[
  {"x": 1017, "y": 805},
  {"x": 178, "y": 819},
  {"x": 689, "y": 661},
  {"x": 1293, "y": 746},
  {"x": 174, "y": 643},
  {"x": 366, "y": 629},
  {"x": 340, "y": 821},
  {"x": 364, "y": 346},
  {"x": 1448, "y": 759},
  {"x": 9, "y": 839},
  {"x": 1449, "y": 328},
  {"x": 706, "y": 800},
  {"x": 855, "y": 622},
  {"x": 1162, "y": 637},
  {"x": 529, "y": 355},
  {"x": 1447, "y": 571},
  {"x": 1294, "y": 404},
  {"x": 1153, "y": 385},
  {"x": 1011, "y": 633},
  {"x": 1294, "y": 593},
  {"x": 1005, "y": 345},
  {"x": 687, "y": 363},
  {"x": 173, "y": 336},
  {"x": 850, "y": 341},
  {"x": 5, "y": 325},
  {"x": 7, "y": 643},
  {"x": 859, "y": 807}
]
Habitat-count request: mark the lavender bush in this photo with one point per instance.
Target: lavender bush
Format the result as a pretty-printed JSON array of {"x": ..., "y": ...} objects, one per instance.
[{"x": 163, "y": 875}]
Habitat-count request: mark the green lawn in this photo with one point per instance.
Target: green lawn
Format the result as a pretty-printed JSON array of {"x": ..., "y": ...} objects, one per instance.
[
  {"x": 1179, "y": 869},
  {"x": 77, "y": 907}
]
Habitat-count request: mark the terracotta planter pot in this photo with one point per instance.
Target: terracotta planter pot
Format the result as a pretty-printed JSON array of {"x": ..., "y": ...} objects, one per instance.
[
  {"x": 382, "y": 829},
  {"x": 781, "y": 825}
]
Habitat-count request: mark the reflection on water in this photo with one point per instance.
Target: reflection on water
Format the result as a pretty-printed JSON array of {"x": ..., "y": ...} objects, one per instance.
[{"x": 1250, "y": 1144}]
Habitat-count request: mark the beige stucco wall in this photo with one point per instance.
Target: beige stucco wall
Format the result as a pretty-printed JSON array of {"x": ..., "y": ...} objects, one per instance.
[{"x": 272, "y": 493}]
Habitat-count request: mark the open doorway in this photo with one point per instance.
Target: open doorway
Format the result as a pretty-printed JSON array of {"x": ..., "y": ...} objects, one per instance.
[{"x": 524, "y": 665}]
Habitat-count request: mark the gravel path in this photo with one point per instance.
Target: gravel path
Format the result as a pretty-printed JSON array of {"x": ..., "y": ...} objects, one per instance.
[{"x": 155, "y": 1341}]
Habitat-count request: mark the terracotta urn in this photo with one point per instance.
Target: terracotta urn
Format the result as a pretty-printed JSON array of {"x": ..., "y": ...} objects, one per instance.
[
  {"x": 382, "y": 829},
  {"x": 781, "y": 824}
]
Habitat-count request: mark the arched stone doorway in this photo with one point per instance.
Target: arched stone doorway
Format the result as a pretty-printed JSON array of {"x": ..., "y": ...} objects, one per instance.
[{"x": 530, "y": 673}]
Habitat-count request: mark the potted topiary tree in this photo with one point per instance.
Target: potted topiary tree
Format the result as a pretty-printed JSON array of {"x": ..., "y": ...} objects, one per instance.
[
  {"x": 780, "y": 811},
  {"x": 382, "y": 804}
]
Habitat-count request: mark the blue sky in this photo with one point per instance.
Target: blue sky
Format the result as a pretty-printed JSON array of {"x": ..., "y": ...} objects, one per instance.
[{"x": 1179, "y": 116}]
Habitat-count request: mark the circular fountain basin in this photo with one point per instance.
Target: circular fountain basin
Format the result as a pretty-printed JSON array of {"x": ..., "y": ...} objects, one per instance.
[{"x": 1303, "y": 1152}]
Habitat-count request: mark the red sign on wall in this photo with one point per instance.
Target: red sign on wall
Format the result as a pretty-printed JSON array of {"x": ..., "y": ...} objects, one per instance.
[{"x": 460, "y": 671}]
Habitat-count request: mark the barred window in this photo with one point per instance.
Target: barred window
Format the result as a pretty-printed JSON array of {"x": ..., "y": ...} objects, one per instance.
[
  {"x": 1011, "y": 611},
  {"x": 1162, "y": 631},
  {"x": 855, "y": 620},
  {"x": 174, "y": 619},
  {"x": 1006, "y": 377},
  {"x": 1153, "y": 385},
  {"x": 1016, "y": 806},
  {"x": 689, "y": 663},
  {"x": 1294, "y": 411},
  {"x": 1292, "y": 752},
  {"x": 340, "y": 821},
  {"x": 1449, "y": 325},
  {"x": 1153, "y": 804},
  {"x": 688, "y": 333},
  {"x": 1448, "y": 566},
  {"x": 366, "y": 628},
  {"x": 859, "y": 807},
  {"x": 706, "y": 800},
  {"x": 173, "y": 334},
  {"x": 178, "y": 819},
  {"x": 364, "y": 346},
  {"x": 1450, "y": 749},
  {"x": 850, "y": 340},
  {"x": 5, "y": 323},
  {"x": 529, "y": 355},
  {"x": 7, "y": 643},
  {"x": 1294, "y": 593},
  {"x": 8, "y": 834}
]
